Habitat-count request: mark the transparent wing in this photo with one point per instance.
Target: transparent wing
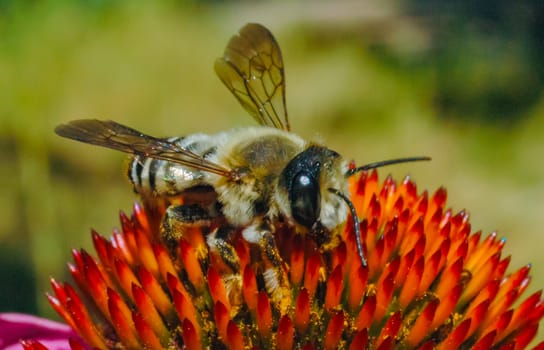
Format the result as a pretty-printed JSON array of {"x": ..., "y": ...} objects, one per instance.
[
  {"x": 252, "y": 69},
  {"x": 107, "y": 133}
]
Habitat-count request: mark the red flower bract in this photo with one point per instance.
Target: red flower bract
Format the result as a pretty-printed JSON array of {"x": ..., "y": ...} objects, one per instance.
[{"x": 430, "y": 283}]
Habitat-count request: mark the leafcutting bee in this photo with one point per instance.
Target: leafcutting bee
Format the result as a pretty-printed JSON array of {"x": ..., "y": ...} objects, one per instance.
[{"x": 255, "y": 175}]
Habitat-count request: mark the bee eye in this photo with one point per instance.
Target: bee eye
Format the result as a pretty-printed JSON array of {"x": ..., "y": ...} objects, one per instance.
[{"x": 305, "y": 199}]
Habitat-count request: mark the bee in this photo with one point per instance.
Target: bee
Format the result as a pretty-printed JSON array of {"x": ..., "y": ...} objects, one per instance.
[{"x": 249, "y": 177}]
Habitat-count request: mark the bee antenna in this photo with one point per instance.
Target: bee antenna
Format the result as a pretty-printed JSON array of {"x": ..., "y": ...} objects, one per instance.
[
  {"x": 356, "y": 223},
  {"x": 375, "y": 165}
]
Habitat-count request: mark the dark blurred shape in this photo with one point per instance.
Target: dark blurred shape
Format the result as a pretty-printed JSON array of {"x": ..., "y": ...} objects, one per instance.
[
  {"x": 18, "y": 292},
  {"x": 488, "y": 56}
]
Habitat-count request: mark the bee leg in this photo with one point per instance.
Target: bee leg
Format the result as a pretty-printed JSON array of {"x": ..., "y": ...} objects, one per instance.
[
  {"x": 275, "y": 275},
  {"x": 178, "y": 220},
  {"x": 219, "y": 242}
]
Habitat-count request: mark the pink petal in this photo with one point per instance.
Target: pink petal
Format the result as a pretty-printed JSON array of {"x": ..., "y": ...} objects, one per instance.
[{"x": 15, "y": 327}]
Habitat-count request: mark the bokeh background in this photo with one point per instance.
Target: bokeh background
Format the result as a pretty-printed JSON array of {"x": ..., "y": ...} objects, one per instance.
[{"x": 461, "y": 81}]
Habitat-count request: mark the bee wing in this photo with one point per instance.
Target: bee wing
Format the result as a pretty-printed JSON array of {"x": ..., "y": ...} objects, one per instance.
[
  {"x": 107, "y": 133},
  {"x": 252, "y": 69}
]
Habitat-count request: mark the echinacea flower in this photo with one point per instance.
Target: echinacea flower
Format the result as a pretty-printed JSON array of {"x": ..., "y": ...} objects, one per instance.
[{"x": 430, "y": 283}]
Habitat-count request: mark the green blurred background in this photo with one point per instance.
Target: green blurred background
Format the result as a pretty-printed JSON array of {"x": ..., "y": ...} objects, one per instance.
[{"x": 461, "y": 81}]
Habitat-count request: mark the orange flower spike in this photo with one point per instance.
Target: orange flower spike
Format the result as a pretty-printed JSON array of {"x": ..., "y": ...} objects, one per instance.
[
  {"x": 487, "y": 293},
  {"x": 414, "y": 238},
  {"x": 122, "y": 320},
  {"x": 96, "y": 286},
  {"x": 127, "y": 238},
  {"x": 435, "y": 237},
  {"x": 191, "y": 339},
  {"x": 513, "y": 281},
  {"x": 477, "y": 316},
  {"x": 120, "y": 247},
  {"x": 387, "y": 189},
  {"x": 369, "y": 233},
  {"x": 438, "y": 199},
  {"x": 501, "y": 268},
  {"x": 406, "y": 262},
  {"x": 185, "y": 309},
  {"x": 311, "y": 277},
  {"x": 339, "y": 255},
  {"x": 58, "y": 302},
  {"x": 264, "y": 315},
  {"x": 390, "y": 241},
  {"x": 423, "y": 324},
  {"x": 77, "y": 270},
  {"x": 249, "y": 289},
  {"x": 82, "y": 320},
  {"x": 367, "y": 184},
  {"x": 357, "y": 285},
  {"x": 101, "y": 247},
  {"x": 485, "y": 342},
  {"x": 383, "y": 297},
  {"x": 61, "y": 310},
  {"x": 335, "y": 286},
  {"x": 145, "y": 252},
  {"x": 460, "y": 229},
  {"x": 302, "y": 311},
  {"x": 449, "y": 278},
  {"x": 446, "y": 306},
  {"x": 460, "y": 251},
  {"x": 360, "y": 340},
  {"x": 522, "y": 314},
  {"x": 146, "y": 334},
  {"x": 334, "y": 331},
  {"x": 498, "y": 306},
  {"x": 286, "y": 334},
  {"x": 525, "y": 336},
  {"x": 154, "y": 290},
  {"x": 499, "y": 325},
  {"x": 297, "y": 261},
  {"x": 308, "y": 346},
  {"x": 125, "y": 276},
  {"x": 411, "y": 284},
  {"x": 422, "y": 205},
  {"x": 374, "y": 258},
  {"x": 76, "y": 344},
  {"x": 149, "y": 313},
  {"x": 140, "y": 218},
  {"x": 429, "y": 345},
  {"x": 242, "y": 250},
  {"x": 235, "y": 340},
  {"x": 166, "y": 266},
  {"x": 217, "y": 288},
  {"x": 408, "y": 190},
  {"x": 365, "y": 317},
  {"x": 31, "y": 344},
  {"x": 391, "y": 268},
  {"x": 456, "y": 337},
  {"x": 191, "y": 264},
  {"x": 430, "y": 270},
  {"x": 391, "y": 328},
  {"x": 387, "y": 344},
  {"x": 488, "y": 247},
  {"x": 221, "y": 317},
  {"x": 480, "y": 278},
  {"x": 174, "y": 284}
]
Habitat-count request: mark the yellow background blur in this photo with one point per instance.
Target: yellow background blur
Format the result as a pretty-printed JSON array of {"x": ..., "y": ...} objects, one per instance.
[{"x": 373, "y": 79}]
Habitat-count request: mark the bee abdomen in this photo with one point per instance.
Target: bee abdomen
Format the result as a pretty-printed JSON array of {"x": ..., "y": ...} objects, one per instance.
[{"x": 165, "y": 178}]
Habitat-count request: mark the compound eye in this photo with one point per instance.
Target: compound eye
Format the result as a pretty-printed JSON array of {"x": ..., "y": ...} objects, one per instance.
[{"x": 305, "y": 199}]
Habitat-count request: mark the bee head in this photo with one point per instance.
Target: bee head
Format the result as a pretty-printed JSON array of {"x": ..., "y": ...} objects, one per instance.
[{"x": 304, "y": 184}]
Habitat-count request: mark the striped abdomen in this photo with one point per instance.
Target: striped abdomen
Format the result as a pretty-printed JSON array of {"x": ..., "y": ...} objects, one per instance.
[{"x": 164, "y": 178}]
